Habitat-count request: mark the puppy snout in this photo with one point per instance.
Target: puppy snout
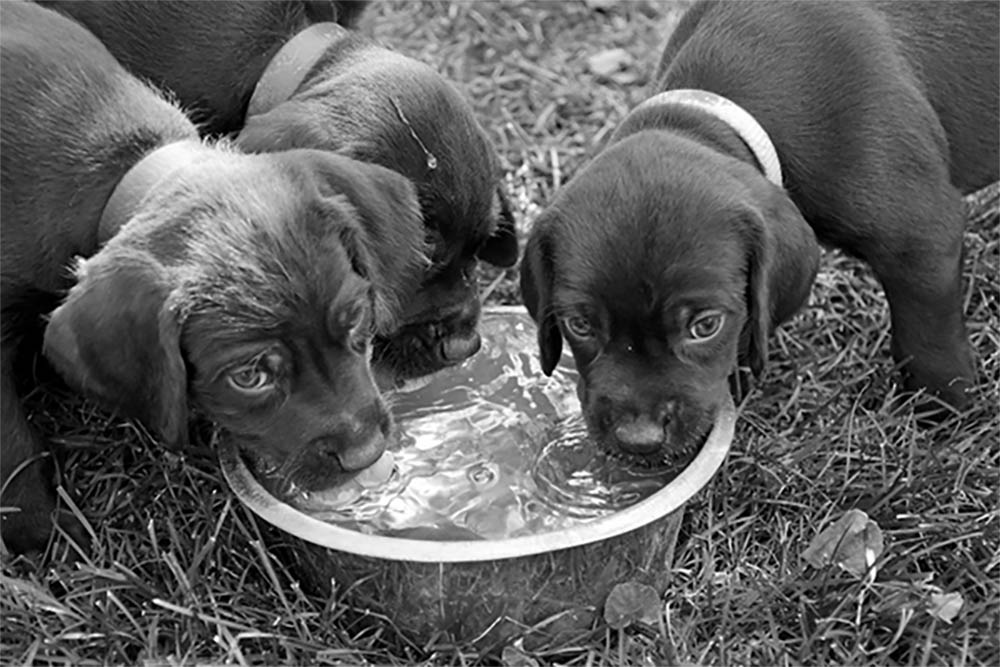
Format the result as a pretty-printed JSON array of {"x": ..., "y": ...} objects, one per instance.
[
  {"x": 459, "y": 347},
  {"x": 456, "y": 332},
  {"x": 465, "y": 313},
  {"x": 350, "y": 456},
  {"x": 355, "y": 443},
  {"x": 640, "y": 434},
  {"x": 645, "y": 432}
]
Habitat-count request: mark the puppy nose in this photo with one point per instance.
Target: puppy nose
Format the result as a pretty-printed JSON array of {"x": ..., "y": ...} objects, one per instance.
[
  {"x": 640, "y": 435},
  {"x": 352, "y": 447},
  {"x": 460, "y": 347}
]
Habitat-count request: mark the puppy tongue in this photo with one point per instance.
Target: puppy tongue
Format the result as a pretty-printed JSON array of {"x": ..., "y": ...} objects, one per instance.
[
  {"x": 377, "y": 473},
  {"x": 459, "y": 348}
]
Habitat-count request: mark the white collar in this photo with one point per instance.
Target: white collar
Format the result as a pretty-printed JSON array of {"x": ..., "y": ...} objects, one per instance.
[
  {"x": 140, "y": 180},
  {"x": 732, "y": 114},
  {"x": 289, "y": 66}
]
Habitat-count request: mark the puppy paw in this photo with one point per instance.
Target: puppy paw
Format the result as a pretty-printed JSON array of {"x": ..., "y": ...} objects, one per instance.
[
  {"x": 30, "y": 533},
  {"x": 945, "y": 394}
]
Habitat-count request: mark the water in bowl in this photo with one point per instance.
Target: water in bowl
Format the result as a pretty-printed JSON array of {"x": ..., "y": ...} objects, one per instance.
[{"x": 492, "y": 449}]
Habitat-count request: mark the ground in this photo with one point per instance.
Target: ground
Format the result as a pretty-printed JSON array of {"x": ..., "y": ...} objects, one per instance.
[{"x": 180, "y": 571}]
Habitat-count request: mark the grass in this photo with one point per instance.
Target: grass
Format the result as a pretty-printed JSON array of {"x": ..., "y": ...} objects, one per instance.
[{"x": 180, "y": 572}]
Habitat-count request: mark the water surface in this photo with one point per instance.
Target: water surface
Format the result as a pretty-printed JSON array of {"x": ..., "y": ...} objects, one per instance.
[{"x": 491, "y": 449}]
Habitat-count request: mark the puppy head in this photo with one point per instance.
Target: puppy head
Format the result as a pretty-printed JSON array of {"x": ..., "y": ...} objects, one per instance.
[
  {"x": 248, "y": 288},
  {"x": 378, "y": 106},
  {"x": 663, "y": 265}
]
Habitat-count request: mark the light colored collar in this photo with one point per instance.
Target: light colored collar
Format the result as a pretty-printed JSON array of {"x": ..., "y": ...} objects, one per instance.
[
  {"x": 732, "y": 114},
  {"x": 139, "y": 180},
  {"x": 290, "y": 65}
]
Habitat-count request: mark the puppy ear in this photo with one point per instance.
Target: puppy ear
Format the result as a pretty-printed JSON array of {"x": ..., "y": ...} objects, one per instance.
[
  {"x": 385, "y": 297},
  {"x": 385, "y": 238},
  {"x": 782, "y": 257},
  {"x": 501, "y": 248},
  {"x": 117, "y": 338},
  {"x": 536, "y": 289}
]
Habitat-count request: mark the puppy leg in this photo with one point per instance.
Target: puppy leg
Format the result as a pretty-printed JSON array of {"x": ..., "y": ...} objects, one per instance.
[
  {"x": 28, "y": 500},
  {"x": 919, "y": 263}
]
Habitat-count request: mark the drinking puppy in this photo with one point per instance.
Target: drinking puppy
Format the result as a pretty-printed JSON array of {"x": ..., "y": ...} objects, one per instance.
[
  {"x": 329, "y": 88},
  {"x": 243, "y": 287},
  {"x": 669, "y": 259}
]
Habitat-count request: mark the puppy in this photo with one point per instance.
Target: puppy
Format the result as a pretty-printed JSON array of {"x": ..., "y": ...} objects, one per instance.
[
  {"x": 669, "y": 259},
  {"x": 210, "y": 55},
  {"x": 242, "y": 287},
  {"x": 333, "y": 89}
]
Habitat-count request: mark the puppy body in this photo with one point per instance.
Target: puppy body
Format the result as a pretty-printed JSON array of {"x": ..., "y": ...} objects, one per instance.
[
  {"x": 881, "y": 115},
  {"x": 357, "y": 99},
  {"x": 210, "y": 54},
  {"x": 378, "y": 106},
  {"x": 243, "y": 287},
  {"x": 632, "y": 253}
]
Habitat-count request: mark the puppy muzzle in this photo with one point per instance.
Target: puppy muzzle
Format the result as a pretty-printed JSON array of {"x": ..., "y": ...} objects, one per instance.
[
  {"x": 457, "y": 347},
  {"x": 640, "y": 435},
  {"x": 668, "y": 432},
  {"x": 350, "y": 453},
  {"x": 422, "y": 348}
]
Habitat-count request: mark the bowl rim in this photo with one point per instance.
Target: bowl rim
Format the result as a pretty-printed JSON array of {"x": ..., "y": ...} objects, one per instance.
[{"x": 665, "y": 501}]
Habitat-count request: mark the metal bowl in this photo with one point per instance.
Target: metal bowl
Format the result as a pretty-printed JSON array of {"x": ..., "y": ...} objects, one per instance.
[
  {"x": 463, "y": 587},
  {"x": 674, "y": 494}
]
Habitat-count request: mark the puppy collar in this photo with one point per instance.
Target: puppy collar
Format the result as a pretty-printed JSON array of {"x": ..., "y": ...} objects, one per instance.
[
  {"x": 138, "y": 181},
  {"x": 290, "y": 64},
  {"x": 734, "y": 115}
]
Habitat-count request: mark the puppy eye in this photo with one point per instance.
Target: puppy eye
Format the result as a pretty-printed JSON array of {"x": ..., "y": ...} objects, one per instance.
[
  {"x": 706, "y": 325},
  {"x": 252, "y": 378},
  {"x": 579, "y": 326}
]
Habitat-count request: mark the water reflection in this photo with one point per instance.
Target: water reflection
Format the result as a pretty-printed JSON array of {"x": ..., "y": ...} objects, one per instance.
[{"x": 494, "y": 449}]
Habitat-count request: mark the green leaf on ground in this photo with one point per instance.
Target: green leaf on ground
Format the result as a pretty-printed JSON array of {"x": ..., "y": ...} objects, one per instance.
[
  {"x": 945, "y": 605},
  {"x": 631, "y": 602},
  {"x": 854, "y": 542},
  {"x": 514, "y": 655}
]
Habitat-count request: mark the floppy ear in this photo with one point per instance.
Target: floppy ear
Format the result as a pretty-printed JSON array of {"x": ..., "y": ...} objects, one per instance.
[
  {"x": 536, "y": 290},
  {"x": 384, "y": 238},
  {"x": 501, "y": 248},
  {"x": 782, "y": 258},
  {"x": 385, "y": 297},
  {"x": 117, "y": 337}
]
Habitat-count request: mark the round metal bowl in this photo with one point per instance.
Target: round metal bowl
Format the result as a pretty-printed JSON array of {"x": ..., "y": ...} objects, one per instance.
[
  {"x": 660, "y": 504},
  {"x": 674, "y": 494},
  {"x": 487, "y": 589}
]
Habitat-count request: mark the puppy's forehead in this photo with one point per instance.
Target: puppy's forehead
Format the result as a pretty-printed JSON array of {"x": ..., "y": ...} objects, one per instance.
[
  {"x": 252, "y": 238},
  {"x": 209, "y": 203},
  {"x": 650, "y": 234},
  {"x": 639, "y": 225}
]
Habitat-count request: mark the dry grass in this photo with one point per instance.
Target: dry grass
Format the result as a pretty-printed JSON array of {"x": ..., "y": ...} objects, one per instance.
[{"x": 179, "y": 573}]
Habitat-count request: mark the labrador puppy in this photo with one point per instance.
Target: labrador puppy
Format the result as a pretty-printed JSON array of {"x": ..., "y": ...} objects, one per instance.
[
  {"x": 327, "y": 87},
  {"x": 244, "y": 288},
  {"x": 375, "y": 105},
  {"x": 668, "y": 260},
  {"x": 209, "y": 54}
]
